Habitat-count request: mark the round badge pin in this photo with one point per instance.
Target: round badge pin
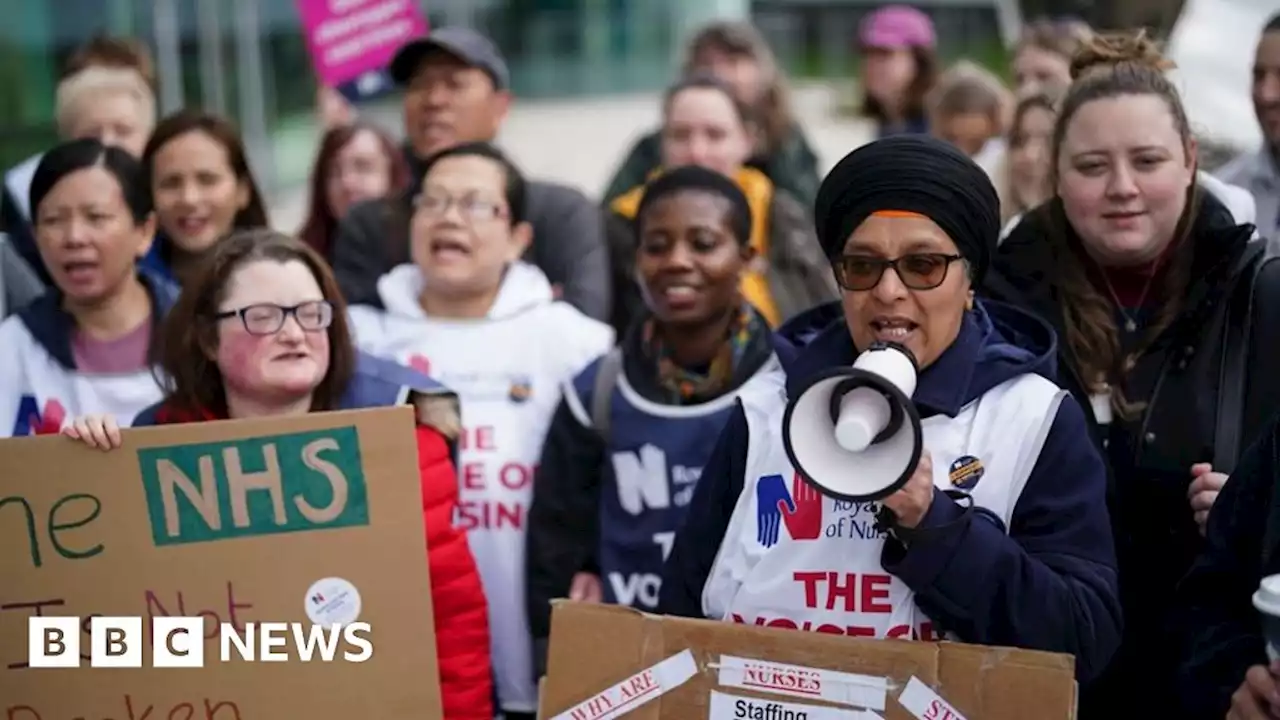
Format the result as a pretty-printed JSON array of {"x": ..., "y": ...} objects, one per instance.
[
  {"x": 332, "y": 601},
  {"x": 965, "y": 472}
]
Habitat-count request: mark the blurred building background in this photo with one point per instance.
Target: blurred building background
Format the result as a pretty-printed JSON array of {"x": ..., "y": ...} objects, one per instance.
[{"x": 248, "y": 60}]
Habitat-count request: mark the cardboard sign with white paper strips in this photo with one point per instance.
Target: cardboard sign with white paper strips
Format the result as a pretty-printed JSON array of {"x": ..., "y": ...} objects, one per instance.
[
  {"x": 920, "y": 700},
  {"x": 739, "y": 707},
  {"x": 864, "y": 691},
  {"x": 637, "y": 690}
]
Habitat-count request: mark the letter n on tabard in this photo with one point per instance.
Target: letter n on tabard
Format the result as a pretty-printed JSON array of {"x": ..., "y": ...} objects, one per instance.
[{"x": 268, "y": 485}]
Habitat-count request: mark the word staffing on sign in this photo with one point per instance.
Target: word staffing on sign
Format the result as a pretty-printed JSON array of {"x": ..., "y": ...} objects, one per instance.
[{"x": 179, "y": 642}]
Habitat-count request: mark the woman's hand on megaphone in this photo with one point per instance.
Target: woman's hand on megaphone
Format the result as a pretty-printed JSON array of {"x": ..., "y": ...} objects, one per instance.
[{"x": 912, "y": 502}]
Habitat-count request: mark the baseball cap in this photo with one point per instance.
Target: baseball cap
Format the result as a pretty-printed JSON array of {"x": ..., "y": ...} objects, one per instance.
[
  {"x": 895, "y": 27},
  {"x": 466, "y": 44}
]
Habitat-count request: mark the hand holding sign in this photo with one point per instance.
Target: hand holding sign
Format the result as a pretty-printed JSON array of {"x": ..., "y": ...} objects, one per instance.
[
  {"x": 96, "y": 431},
  {"x": 586, "y": 588}
]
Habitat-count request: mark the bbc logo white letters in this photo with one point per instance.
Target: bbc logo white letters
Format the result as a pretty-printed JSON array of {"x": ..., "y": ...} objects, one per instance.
[
  {"x": 54, "y": 642},
  {"x": 177, "y": 642},
  {"x": 115, "y": 642}
]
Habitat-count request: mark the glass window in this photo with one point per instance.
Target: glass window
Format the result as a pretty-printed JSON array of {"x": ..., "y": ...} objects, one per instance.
[{"x": 35, "y": 41}]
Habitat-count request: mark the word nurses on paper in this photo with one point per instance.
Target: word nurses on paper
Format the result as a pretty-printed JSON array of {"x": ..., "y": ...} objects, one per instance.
[{"x": 179, "y": 642}]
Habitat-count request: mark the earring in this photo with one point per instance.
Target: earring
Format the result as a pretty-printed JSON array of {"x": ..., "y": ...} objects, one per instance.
[{"x": 968, "y": 303}]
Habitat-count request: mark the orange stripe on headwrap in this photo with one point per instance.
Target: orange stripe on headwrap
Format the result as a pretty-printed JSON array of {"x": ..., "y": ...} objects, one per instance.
[{"x": 897, "y": 214}]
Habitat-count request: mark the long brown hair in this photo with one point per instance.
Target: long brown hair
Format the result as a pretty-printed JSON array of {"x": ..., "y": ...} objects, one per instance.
[
  {"x": 1111, "y": 66},
  {"x": 773, "y": 113},
  {"x": 222, "y": 130},
  {"x": 321, "y": 223},
  {"x": 189, "y": 336},
  {"x": 1044, "y": 99},
  {"x": 915, "y": 104}
]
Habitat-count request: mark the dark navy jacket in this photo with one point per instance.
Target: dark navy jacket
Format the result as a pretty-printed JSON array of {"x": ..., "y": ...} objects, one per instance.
[
  {"x": 613, "y": 509},
  {"x": 1049, "y": 583}
]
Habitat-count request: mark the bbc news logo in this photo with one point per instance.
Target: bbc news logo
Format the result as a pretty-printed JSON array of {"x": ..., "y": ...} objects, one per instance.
[{"x": 179, "y": 642}]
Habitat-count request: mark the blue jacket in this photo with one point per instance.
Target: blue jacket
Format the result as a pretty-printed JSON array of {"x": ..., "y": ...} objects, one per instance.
[
  {"x": 1046, "y": 584},
  {"x": 53, "y": 328},
  {"x": 376, "y": 382}
]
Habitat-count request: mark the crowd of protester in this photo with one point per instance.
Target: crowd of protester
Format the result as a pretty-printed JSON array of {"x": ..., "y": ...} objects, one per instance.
[{"x": 1095, "y": 316}]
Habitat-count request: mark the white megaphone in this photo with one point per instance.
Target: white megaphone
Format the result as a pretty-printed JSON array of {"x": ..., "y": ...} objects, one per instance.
[{"x": 853, "y": 433}]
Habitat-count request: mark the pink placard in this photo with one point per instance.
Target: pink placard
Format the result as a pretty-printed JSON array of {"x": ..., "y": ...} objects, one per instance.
[{"x": 348, "y": 38}]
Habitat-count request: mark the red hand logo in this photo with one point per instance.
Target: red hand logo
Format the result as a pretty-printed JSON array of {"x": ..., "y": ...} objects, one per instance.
[
  {"x": 803, "y": 515},
  {"x": 50, "y": 422}
]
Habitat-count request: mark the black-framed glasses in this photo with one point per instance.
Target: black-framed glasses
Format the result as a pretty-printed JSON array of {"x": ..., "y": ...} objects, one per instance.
[
  {"x": 471, "y": 207},
  {"x": 268, "y": 318},
  {"x": 918, "y": 271}
]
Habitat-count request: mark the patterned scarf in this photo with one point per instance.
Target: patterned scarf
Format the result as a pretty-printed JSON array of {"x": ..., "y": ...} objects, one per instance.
[{"x": 685, "y": 385}]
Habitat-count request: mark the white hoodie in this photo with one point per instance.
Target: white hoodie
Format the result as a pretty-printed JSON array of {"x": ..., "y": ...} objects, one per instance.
[{"x": 508, "y": 370}]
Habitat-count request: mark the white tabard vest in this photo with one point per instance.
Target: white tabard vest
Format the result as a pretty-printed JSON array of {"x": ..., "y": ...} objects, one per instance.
[{"x": 795, "y": 559}]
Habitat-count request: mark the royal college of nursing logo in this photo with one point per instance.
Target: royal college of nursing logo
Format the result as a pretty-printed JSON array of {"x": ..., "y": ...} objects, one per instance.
[{"x": 798, "y": 509}]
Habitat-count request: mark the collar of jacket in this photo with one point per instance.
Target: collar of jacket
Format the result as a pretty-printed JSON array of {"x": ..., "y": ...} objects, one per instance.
[
  {"x": 53, "y": 327},
  {"x": 1025, "y": 265}
]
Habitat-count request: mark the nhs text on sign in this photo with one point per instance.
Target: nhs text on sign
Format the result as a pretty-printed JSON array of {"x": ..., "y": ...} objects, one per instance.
[{"x": 178, "y": 642}]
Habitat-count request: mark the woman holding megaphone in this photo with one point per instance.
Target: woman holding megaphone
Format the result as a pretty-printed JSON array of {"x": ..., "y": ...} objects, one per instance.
[{"x": 975, "y": 506}]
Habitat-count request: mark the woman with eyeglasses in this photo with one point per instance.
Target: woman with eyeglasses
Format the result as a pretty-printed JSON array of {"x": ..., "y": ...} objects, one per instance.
[
  {"x": 487, "y": 325},
  {"x": 1000, "y": 534},
  {"x": 261, "y": 331}
]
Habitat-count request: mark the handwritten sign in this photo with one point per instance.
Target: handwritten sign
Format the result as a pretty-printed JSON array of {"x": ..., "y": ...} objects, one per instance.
[
  {"x": 233, "y": 521},
  {"x": 349, "y": 38}
]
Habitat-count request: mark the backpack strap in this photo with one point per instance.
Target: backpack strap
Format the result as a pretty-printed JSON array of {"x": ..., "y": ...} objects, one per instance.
[{"x": 602, "y": 392}]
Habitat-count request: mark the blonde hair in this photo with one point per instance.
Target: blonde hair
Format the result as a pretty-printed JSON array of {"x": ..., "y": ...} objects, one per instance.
[
  {"x": 95, "y": 81},
  {"x": 967, "y": 87}
]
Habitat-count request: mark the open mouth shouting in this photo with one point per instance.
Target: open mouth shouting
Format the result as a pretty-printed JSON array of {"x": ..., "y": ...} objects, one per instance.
[{"x": 893, "y": 328}]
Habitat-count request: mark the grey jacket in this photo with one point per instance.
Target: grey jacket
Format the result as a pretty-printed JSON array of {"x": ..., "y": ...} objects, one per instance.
[
  {"x": 568, "y": 245},
  {"x": 19, "y": 284}
]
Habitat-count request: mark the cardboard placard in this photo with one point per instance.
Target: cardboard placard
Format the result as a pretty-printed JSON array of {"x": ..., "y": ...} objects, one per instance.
[
  {"x": 235, "y": 520},
  {"x": 784, "y": 669}
]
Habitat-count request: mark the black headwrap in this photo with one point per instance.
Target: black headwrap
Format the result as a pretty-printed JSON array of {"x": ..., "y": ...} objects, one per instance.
[
  {"x": 914, "y": 173},
  {"x": 693, "y": 177}
]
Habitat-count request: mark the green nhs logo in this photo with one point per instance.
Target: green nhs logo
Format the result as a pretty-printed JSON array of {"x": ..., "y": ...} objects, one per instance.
[{"x": 254, "y": 486}]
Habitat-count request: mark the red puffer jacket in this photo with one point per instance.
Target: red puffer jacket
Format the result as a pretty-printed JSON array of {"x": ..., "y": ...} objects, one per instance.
[
  {"x": 457, "y": 596},
  {"x": 461, "y": 613}
]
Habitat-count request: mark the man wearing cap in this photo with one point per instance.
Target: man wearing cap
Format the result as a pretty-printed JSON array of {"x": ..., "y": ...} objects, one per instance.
[{"x": 456, "y": 90}]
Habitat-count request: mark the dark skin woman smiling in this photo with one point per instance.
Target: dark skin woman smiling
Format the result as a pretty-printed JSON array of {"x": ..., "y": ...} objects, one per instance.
[{"x": 629, "y": 440}]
